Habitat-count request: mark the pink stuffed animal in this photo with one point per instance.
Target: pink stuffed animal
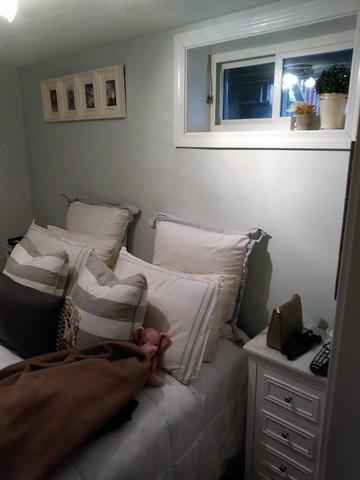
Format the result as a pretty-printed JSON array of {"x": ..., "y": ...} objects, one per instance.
[{"x": 154, "y": 344}]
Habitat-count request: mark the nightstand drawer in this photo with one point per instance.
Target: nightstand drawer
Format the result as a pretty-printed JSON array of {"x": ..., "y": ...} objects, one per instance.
[
  {"x": 293, "y": 437},
  {"x": 291, "y": 396},
  {"x": 275, "y": 466}
]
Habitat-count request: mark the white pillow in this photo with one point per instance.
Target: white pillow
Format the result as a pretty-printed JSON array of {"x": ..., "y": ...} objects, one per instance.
[
  {"x": 229, "y": 291},
  {"x": 188, "y": 247},
  {"x": 101, "y": 220},
  {"x": 104, "y": 248},
  {"x": 46, "y": 243},
  {"x": 109, "y": 306},
  {"x": 185, "y": 306}
]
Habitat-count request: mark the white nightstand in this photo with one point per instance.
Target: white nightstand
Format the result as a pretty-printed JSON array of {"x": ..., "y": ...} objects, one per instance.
[{"x": 285, "y": 414}]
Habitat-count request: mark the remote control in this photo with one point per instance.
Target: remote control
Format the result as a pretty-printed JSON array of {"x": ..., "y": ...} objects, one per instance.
[{"x": 320, "y": 364}]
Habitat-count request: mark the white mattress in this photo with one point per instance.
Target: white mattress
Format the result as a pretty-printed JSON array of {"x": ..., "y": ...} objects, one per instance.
[{"x": 177, "y": 432}]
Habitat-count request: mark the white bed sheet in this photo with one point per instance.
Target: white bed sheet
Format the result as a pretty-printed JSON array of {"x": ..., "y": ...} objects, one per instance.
[{"x": 177, "y": 432}]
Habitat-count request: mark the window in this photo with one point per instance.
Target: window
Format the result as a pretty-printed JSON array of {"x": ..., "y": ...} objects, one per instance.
[
  {"x": 247, "y": 89},
  {"x": 261, "y": 88},
  {"x": 230, "y": 74}
]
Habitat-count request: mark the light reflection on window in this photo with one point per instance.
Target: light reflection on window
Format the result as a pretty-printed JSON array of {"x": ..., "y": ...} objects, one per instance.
[{"x": 300, "y": 74}]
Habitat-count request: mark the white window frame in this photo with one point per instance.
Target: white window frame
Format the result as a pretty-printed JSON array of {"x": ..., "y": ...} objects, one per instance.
[
  {"x": 300, "y": 48},
  {"x": 257, "y": 21}
]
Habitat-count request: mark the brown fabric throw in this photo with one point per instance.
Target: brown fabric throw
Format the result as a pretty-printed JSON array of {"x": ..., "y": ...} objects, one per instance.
[{"x": 50, "y": 404}]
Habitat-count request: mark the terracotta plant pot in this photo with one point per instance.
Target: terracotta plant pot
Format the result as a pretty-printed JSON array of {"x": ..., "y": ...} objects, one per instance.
[
  {"x": 303, "y": 121},
  {"x": 332, "y": 110}
]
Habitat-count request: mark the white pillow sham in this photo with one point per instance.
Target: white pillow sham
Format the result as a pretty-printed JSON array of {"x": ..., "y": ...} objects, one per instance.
[
  {"x": 192, "y": 248},
  {"x": 101, "y": 220},
  {"x": 229, "y": 291},
  {"x": 104, "y": 247},
  {"x": 46, "y": 243},
  {"x": 185, "y": 306}
]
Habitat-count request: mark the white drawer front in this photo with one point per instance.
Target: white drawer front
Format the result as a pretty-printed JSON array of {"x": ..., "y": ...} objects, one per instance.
[
  {"x": 276, "y": 466},
  {"x": 293, "y": 437},
  {"x": 291, "y": 398}
]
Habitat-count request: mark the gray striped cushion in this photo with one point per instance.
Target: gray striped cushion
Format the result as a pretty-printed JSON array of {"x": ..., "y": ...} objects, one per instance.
[
  {"x": 109, "y": 307},
  {"x": 44, "y": 272},
  {"x": 46, "y": 242}
]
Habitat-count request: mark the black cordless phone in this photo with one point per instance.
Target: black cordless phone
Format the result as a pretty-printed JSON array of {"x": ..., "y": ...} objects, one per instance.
[{"x": 320, "y": 364}]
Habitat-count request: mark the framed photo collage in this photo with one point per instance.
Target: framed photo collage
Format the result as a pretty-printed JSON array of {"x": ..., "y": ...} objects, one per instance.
[{"x": 85, "y": 96}]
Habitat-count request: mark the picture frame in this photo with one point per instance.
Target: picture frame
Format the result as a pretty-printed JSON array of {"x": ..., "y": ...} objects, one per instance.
[
  {"x": 69, "y": 97},
  {"x": 88, "y": 94},
  {"x": 111, "y": 82},
  {"x": 51, "y": 99}
]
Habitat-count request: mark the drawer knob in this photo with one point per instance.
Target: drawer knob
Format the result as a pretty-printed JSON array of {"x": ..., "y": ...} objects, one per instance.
[
  {"x": 288, "y": 398},
  {"x": 285, "y": 435},
  {"x": 283, "y": 468}
]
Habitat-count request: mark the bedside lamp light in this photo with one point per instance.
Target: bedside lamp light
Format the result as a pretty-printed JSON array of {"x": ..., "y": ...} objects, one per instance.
[{"x": 8, "y": 9}]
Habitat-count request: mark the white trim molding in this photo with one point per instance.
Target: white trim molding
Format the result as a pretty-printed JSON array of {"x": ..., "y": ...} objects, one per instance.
[{"x": 257, "y": 21}]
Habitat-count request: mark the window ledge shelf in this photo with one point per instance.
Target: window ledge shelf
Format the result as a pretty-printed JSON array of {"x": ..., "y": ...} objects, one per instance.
[{"x": 289, "y": 140}]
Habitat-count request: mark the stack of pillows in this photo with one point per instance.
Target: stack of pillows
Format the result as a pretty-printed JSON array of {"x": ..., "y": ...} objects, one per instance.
[{"x": 192, "y": 290}]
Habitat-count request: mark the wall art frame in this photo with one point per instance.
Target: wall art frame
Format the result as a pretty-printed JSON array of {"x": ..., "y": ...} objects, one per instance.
[
  {"x": 69, "y": 96},
  {"x": 112, "y": 91},
  {"x": 51, "y": 99},
  {"x": 90, "y": 95}
]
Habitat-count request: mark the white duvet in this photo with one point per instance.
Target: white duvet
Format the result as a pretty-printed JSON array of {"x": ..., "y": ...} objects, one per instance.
[{"x": 177, "y": 432}]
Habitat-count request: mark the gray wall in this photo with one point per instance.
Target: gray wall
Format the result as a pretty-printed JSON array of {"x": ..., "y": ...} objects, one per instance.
[
  {"x": 297, "y": 196},
  {"x": 15, "y": 211}
]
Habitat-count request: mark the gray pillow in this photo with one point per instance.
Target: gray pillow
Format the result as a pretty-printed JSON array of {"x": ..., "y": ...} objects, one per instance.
[{"x": 29, "y": 319}]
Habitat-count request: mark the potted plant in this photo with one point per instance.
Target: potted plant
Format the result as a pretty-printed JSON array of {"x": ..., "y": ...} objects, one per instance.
[
  {"x": 304, "y": 115},
  {"x": 332, "y": 87}
]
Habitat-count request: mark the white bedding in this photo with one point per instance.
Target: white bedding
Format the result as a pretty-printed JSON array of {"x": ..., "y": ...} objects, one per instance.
[{"x": 177, "y": 432}]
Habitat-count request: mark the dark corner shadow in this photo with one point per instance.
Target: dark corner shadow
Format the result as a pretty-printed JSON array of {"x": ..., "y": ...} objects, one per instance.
[
  {"x": 156, "y": 318},
  {"x": 130, "y": 233},
  {"x": 254, "y": 316}
]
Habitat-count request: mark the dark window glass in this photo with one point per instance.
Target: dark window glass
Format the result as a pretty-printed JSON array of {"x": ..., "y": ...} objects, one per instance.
[
  {"x": 301, "y": 73},
  {"x": 248, "y": 91}
]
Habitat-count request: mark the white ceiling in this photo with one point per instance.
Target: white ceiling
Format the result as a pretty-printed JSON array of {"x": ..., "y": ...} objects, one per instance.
[{"x": 45, "y": 28}]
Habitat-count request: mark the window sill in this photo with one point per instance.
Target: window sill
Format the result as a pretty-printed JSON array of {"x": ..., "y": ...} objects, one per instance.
[{"x": 295, "y": 140}]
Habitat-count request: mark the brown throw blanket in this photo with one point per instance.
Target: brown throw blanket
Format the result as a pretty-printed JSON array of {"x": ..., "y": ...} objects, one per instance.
[{"x": 51, "y": 404}]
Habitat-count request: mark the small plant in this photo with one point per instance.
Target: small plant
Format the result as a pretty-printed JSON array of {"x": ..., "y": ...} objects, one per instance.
[
  {"x": 301, "y": 107},
  {"x": 335, "y": 79}
]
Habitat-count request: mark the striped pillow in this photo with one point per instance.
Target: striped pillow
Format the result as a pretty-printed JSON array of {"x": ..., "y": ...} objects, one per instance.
[
  {"x": 109, "y": 307},
  {"x": 46, "y": 242},
  {"x": 44, "y": 272}
]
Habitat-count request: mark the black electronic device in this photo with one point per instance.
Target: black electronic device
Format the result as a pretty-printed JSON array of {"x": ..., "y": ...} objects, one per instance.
[
  {"x": 300, "y": 344},
  {"x": 320, "y": 364}
]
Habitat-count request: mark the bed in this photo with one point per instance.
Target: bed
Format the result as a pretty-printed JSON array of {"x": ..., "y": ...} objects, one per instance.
[
  {"x": 190, "y": 427},
  {"x": 177, "y": 431}
]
